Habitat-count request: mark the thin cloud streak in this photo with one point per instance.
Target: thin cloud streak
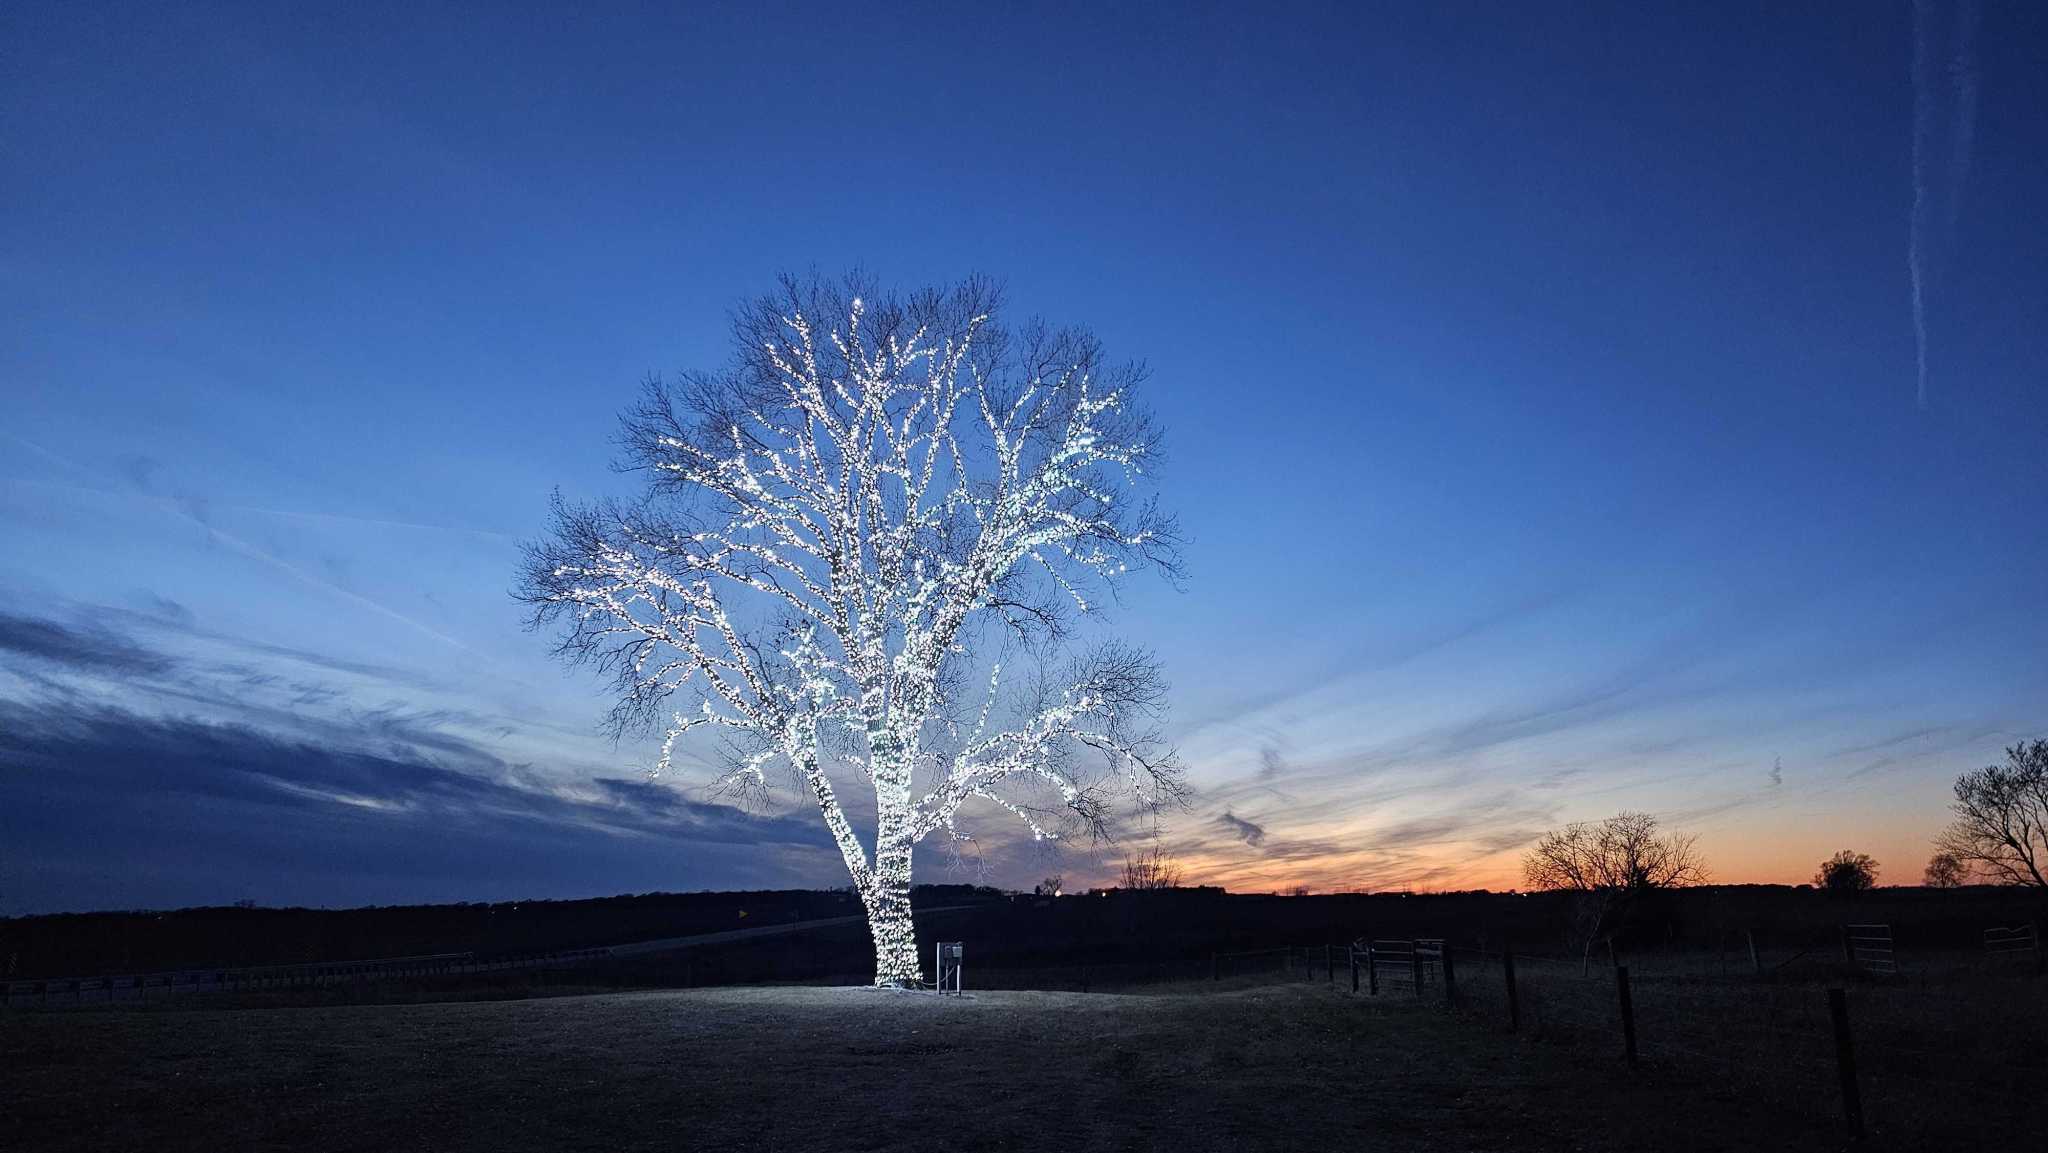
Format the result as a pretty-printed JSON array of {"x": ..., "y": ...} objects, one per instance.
[
  {"x": 312, "y": 580},
  {"x": 192, "y": 510},
  {"x": 1916, "y": 227}
]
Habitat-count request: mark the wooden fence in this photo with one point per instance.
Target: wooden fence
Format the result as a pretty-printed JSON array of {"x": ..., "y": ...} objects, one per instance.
[
  {"x": 2018, "y": 941},
  {"x": 1869, "y": 947}
]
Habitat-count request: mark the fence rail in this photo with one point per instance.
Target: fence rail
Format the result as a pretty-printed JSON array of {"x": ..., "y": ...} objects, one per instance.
[
  {"x": 1887, "y": 1055},
  {"x": 2011, "y": 939},
  {"x": 1869, "y": 947}
]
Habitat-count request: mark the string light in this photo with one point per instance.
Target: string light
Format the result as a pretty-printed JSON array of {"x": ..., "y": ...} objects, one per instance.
[{"x": 842, "y": 493}]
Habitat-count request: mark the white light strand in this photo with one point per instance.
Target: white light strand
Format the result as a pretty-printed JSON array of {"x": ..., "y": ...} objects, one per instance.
[{"x": 833, "y": 521}]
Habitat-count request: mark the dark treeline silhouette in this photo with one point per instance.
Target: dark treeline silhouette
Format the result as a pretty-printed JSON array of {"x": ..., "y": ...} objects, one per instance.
[
  {"x": 88, "y": 943},
  {"x": 1103, "y": 930}
]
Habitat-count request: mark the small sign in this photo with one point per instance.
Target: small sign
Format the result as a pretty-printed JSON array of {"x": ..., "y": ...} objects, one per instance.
[{"x": 949, "y": 958}]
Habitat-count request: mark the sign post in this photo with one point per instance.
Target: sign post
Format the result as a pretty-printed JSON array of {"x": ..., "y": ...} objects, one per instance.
[{"x": 948, "y": 966}]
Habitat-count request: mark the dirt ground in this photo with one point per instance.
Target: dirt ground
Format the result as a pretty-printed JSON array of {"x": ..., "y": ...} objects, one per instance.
[{"x": 790, "y": 1069}]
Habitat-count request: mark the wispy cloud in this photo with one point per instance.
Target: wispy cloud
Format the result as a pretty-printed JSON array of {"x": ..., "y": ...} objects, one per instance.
[
  {"x": 374, "y": 521},
  {"x": 1271, "y": 763},
  {"x": 90, "y": 654},
  {"x": 1917, "y": 733},
  {"x": 103, "y": 807},
  {"x": 1438, "y": 830},
  {"x": 1249, "y": 832},
  {"x": 86, "y": 648}
]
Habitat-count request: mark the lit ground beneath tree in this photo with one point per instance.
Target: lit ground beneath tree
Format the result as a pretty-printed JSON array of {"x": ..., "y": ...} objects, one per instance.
[{"x": 788, "y": 1068}]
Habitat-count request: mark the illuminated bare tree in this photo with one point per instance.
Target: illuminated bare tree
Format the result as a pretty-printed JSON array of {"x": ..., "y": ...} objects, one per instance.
[
  {"x": 840, "y": 541},
  {"x": 2001, "y": 818},
  {"x": 1609, "y": 864}
]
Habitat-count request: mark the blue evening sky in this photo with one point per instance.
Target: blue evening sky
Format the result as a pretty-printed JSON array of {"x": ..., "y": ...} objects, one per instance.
[{"x": 1539, "y": 380}]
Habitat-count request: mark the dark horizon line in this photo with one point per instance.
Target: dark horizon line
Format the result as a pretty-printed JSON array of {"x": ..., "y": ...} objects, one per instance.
[{"x": 994, "y": 891}]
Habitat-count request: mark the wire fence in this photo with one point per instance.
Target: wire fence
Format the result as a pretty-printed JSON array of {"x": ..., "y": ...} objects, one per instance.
[
  {"x": 1933, "y": 1060},
  {"x": 1923, "y": 1043}
]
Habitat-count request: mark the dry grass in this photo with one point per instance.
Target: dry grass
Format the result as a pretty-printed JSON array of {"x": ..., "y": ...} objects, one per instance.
[
  {"x": 1285, "y": 1067},
  {"x": 1948, "y": 1053}
]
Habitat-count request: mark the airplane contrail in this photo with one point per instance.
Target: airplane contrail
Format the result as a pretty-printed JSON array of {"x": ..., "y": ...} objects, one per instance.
[
  {"x": 245, "y": 548},
  {"x": 1921, "y": 246},
  {"x": 1923, "y": 128},
  {"x": 255, "y": 553}
]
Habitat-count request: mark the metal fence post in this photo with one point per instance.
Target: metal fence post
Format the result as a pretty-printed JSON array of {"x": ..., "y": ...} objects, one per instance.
[
  {"x": 1372, "y": 972},
  {"x": 1450, "y": 977},
  {"x": 1755, "y": 967},
  {"x": 1845, "y": 1062},
  {"x": 1507, "y": 962},
  {"x": 1353, "y": 951},
  {"x": 1628, "y": 1013}
]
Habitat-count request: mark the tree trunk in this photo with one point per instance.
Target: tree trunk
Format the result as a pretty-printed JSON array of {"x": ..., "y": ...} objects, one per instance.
[
  {"x": 896, "y": 957},
  {"x": 888, "y": 895}
]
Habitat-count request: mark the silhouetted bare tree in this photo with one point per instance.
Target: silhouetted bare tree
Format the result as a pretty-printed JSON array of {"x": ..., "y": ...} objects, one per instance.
[
  {"x": 2001, "y": 822},
  {"x": 1944, "y": 871},
  {"x": 1611, "y": 863},
  {"x": 1847, "y": 872},
  {"x": 1151, "y": 869}
]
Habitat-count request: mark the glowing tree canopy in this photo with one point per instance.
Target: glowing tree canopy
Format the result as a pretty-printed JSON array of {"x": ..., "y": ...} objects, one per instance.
[{"x": 846, "y": 545}]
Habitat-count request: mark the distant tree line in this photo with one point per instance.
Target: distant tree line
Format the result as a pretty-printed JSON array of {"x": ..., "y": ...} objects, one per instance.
[{"x": 1999, "y": 832}]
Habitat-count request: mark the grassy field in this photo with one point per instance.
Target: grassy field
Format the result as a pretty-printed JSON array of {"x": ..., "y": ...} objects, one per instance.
[
  {"x": 1948, "y": 1052},
  {"x": 1290, "y": 1067}
]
